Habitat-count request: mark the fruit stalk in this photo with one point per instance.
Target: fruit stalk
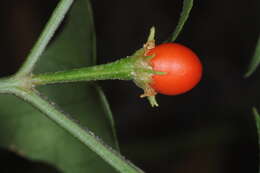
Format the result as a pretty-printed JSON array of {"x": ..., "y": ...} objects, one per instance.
[{"x": 122, "y": 69}]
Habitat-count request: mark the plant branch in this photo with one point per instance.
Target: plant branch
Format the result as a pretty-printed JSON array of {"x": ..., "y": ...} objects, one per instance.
[
  {"x": 49, "y": 30},
  {"x": 84, "y": 135},
  {"x": 6, "y": 84}
]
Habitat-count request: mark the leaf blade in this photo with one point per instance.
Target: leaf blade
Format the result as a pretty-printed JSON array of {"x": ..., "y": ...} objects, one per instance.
[
  {"x": 35, "y": 135},
  {"x": 186, "y": 9},
  {"x": 257, "y": 120},
  {"x": 109, "y": 115},
  {"x": 255, "y": 60}
]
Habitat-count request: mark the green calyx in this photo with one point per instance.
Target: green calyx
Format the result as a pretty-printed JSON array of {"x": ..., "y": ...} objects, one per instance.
[
  {"x": 144, "y": 79},
  {"x": 142, "y": 76}
]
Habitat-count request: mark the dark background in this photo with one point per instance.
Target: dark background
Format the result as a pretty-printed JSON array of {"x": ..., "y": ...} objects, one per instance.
[{"x": 208, "y": 130}]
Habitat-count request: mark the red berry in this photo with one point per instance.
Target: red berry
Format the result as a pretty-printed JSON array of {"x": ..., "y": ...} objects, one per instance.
[{"x": 182, "y": 66}]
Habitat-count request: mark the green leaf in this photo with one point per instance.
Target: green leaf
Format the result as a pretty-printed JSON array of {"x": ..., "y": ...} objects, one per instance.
[
  {"x": 187, "y": 6},
  {"x": 257, "y": 120},
  {"x": 255, "y": 60},
  {"x": 25, "y": 130}
]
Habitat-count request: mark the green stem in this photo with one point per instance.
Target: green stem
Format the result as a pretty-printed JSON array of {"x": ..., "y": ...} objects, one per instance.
[
  {"x": 84, "y": 135},
  {"x": 122, "y": 69},
  {"x": 8, "y": 83},
  {"x": 45, "y": 37}
]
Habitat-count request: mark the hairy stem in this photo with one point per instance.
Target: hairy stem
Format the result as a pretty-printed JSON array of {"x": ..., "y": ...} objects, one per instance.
[{"x": 84, "y": 135}]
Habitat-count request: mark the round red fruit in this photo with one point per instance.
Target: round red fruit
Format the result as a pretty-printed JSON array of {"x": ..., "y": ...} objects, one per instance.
[{"x": 182, "y": 67}]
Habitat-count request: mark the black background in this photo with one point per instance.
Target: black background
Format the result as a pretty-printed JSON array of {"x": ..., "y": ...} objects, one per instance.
[{"x": 208, "y": 130}]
